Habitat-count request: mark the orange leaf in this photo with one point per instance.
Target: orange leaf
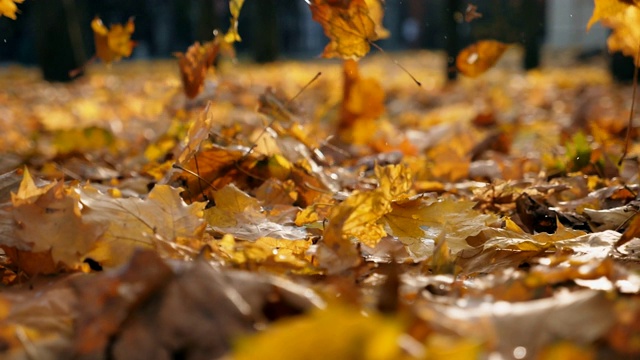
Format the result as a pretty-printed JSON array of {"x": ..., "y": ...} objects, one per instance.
[
  {"x": 115, "y": 43},
  {"x": 194, "y": 65},
  {"x": 8, "y": 8},
  {"x": 477, "y": 58},
  {"x": 633, "y": 231},
  {"x": 348, "y": 25}
]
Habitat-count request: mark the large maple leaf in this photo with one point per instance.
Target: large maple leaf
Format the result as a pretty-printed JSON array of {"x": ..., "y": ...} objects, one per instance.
[
  {"x": 347, "y": 24},
  {"x": 8, "y": 8},
  {"x": 623, "y": 17},
  {"x": 114, "y": 43}
]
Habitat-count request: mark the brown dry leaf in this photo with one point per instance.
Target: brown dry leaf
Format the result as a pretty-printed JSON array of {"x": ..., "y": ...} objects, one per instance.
[
  {"x": 198, "y": 132},
  {"x": 161, "y": 221},
  {"x": 632, "y": 231},
  {"x": 479, "y": 57},
  {"x": 362, "y": 104},
  {"x": 114, "y": 43},
  {"x": 194, "y": 65},
  {"x": 9, "y": 8},
  {"x": 348, "y": 26},
  {"x": 216, "y": 167},
  {"x": 49, "y": 232}
]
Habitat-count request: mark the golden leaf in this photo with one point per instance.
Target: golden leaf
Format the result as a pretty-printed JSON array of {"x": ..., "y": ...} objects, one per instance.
[
  {"x": 9, "y": 9},
  {"x": 114, "y": 43},
  {"x": 338, "y": 333},
  {"x": 232, "y": 34},
  {"x": 479, "y": 57},
  {"x": 348, "y": 26}
]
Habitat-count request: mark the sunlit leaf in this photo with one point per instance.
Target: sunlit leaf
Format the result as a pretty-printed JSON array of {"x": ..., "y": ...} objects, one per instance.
[
  {"x": 114, "y": 43},
  {"x": 156, "y": 222},
  {"x": 348, "y": 26},
  {"x": 232, "y": 34},
  {"x": 339, "y": 333},
  {"x": 479, "y": 57}
]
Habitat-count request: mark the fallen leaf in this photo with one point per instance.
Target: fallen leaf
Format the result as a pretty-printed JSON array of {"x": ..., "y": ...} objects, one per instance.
[{"x": 159, "y": 221}]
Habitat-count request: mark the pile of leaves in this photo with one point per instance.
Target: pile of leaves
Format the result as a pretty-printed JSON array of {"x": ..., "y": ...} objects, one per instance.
[{"x": 267, "y": 215}]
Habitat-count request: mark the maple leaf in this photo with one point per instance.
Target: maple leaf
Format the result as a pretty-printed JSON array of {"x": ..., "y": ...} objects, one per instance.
[
  {"x": 114, "y": 43},
  {"x": 623, "y": 16},
  {"x": 348, "y": 26},
  {"x": 242, "y": 216},
  {"x": 51, "y": 232},
  {"x": 357, "y": 217},
  {"x": 9, "y": 8},
  {"x": 159, "y": 221},
  {"x": 479, "y": 57}
]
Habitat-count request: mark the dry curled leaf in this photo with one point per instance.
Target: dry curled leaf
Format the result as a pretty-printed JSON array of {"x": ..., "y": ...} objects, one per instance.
[
  {"x": 194, "y": 65},
  {"x": 114, "y": 43},
  {"x": 479, "y": 57}
]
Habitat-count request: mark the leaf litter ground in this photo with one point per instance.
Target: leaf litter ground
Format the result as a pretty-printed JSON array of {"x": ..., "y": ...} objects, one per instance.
[{"x": 370, "y": 219}]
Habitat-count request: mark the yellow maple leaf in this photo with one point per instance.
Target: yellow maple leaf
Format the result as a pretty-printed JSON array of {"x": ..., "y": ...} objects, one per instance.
[
  {"x": 623, "y": 17},
  {"x": 9, "y": 8},
  {"x": 114, "y": 43},
  {"x": 348, "y": 26},
  {"x": 339, "y": 332},
  {"x": 357, "y": 217}
]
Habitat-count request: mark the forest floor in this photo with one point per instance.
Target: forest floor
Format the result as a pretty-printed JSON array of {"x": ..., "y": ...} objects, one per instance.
[{"x": 276, "y": 217}]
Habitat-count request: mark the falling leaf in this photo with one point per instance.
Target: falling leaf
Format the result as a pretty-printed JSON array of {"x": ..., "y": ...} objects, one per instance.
[
  {"x": 471, "y": 13},
  {"x": 114, "y": 43},
  {"x": 194, "y": 65},
  {"x": 623, "y": 16},
  {"x": 348, "y": 26},
  {"x": 232, "y": 34},
  {"x": 9, "y": 8},
  {"x": 479, "y": 57},
  {"x": 376, "y": 13}
]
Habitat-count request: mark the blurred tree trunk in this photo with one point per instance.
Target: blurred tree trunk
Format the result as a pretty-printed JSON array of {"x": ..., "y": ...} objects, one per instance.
[
  {"x": 207, "y": 20},
  {"x": 265, "y": 27},
  {"x": 533, "y": 16},
  {"x": 622, "y": 67},
  {"x": 451, "y": 33},
  {"x": 59, "y": 38}
]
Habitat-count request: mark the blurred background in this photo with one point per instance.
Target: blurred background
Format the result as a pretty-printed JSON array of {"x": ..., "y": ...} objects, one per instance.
[{"x": 56, "y": 34}]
